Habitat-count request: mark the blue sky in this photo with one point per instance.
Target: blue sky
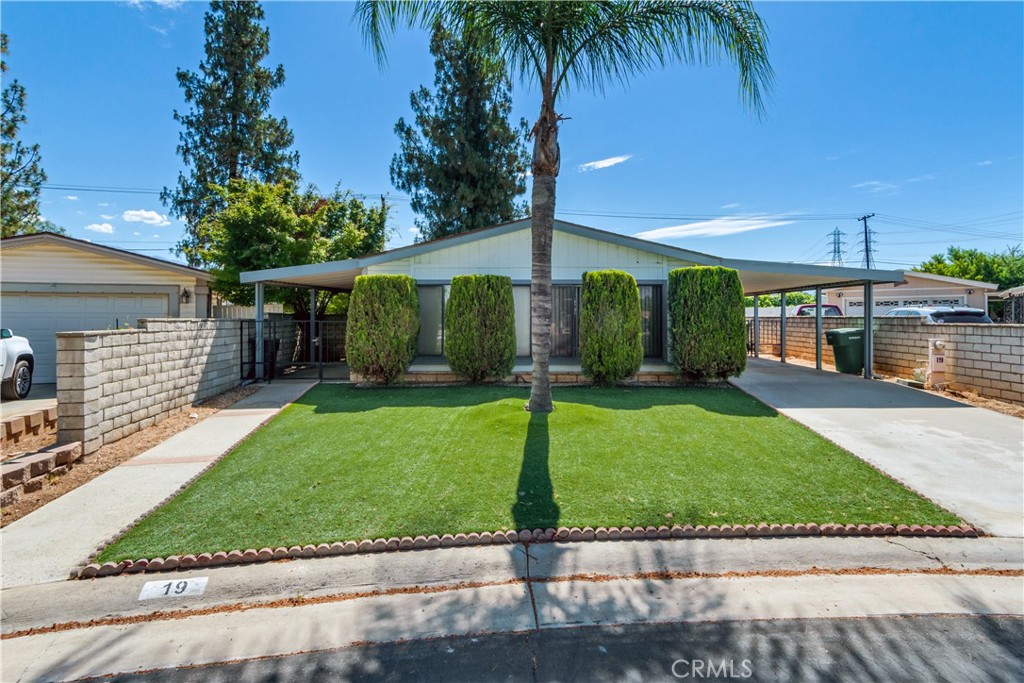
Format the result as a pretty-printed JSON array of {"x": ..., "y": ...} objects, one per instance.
[{"x": 912, "y": 111}]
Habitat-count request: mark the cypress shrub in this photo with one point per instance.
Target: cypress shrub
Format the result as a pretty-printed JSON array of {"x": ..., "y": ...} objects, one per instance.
[
  {"x": 611, "y": 335},
  {"x": 383, "y": 323},
  {"x": 707, "y": 328},
  {"x": 480, "y": 327}
]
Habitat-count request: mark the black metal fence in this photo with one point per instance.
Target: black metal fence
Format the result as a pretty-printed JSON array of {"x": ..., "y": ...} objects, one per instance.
[{"x": 292, "y": 346}]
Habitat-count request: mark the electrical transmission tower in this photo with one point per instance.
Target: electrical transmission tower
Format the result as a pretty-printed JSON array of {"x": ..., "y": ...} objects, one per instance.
[
  {"x": 869, "y": 242},
  {"x": 837, "y": 247}
]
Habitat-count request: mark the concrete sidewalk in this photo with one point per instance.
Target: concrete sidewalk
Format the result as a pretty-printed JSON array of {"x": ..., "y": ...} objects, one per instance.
[
  {"x": 44, "y": 545},
  {"x": 968, "y": 460}
]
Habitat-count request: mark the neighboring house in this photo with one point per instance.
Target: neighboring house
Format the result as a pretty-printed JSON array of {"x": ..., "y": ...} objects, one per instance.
[
  {"x": 506, "y": 250},
  {"x": 50, "y": 283},
  {"x": 920, "y": 289}
]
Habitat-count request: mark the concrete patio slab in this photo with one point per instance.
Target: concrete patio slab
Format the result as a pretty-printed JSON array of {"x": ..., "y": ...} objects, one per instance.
[
  {"x": 43, "y": 546},
  {"x": 969, "y": 460}
]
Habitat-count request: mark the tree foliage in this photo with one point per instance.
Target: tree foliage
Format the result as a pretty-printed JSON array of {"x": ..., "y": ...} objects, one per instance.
[
  {"x": 461, "y": 161},
  {"x": 275, "y": 226},
  {"x": 480, "y": 327},
  {"x": 707, "y": 326},
  {"x": 775, "y": 300},
  {"x": 383, "y": 324},
  {"x": 21, "y": 171},
  {"x": 1004, "y": 268},
  {"x": 611, "y": 331},
  {"x": 227, "y": 133},
  {"x": 557, "y": 46}
]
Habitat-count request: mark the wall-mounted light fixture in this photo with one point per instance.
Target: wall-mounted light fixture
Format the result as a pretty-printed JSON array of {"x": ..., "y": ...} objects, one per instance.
[
  {"x": 186, "y": 296},
  {"x": 970, "y": 291}
]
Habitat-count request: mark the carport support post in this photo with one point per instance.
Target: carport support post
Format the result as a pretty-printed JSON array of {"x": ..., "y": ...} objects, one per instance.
[
  {"x": 869, "y": 330},
  {"x": 757, "y": 329},
  {"x": 817, "y": 328},
  {"x": 258, "y": 349},
  {"x": 782, "y": 327},
  {"x": 312, "y": 325}
]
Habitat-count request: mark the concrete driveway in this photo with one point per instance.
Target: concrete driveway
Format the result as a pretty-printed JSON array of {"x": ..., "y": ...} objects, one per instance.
[
  {"x": 41, "y": 397},
  {"x": 969, "y": 460}
]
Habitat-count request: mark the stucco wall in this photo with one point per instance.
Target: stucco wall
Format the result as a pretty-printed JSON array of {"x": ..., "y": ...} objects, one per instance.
[
  {"x": 116, "y": 382},
  {"x": 988, "y": 359}
]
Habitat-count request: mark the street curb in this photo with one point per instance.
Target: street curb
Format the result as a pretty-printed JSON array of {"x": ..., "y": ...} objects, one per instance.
[{"x": 523, "y": 536}]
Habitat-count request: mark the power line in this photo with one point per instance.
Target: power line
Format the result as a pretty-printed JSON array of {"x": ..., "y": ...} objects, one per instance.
[{"x": 868, "y": 261}]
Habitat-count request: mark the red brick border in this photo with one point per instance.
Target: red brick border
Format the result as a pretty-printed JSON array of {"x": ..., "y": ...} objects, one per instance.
[{"x": 525, "y": 536}]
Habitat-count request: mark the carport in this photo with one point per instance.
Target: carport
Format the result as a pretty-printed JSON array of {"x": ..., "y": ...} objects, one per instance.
[{"x": 436, "y": 262}]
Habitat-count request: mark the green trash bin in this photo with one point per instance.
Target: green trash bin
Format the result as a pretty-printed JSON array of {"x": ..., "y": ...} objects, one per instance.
[{"x": 848, "y": 348}]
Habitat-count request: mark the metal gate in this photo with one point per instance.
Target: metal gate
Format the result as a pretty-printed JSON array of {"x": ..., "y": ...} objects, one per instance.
[{"x": 295, "y": 349}]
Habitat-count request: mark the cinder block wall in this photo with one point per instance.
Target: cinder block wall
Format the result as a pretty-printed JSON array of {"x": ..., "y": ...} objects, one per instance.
[
  {"x": 988, "y": 359},
  {"x": 115, "y": 382}
]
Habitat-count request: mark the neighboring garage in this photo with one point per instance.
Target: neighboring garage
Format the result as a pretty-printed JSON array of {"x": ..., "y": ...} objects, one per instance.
[
  {"x": 917, "y": 289},
  {"x": 51, "y": 283}
]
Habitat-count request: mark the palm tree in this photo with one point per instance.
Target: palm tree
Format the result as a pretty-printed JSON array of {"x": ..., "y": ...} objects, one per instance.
[{"x": 558, "y": 45}]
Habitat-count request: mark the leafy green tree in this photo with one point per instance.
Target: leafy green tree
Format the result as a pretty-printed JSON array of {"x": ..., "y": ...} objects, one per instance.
[
  {"x": 1004, "y": 268},
  {"x": 227, "y": 133},
  {"x": 557, "y": 46},
  {"x": 21, "y": 171},
  {"x": 461, "y": 161},
  {"x": 774, "y": 300},
  {"x": 275, "y": 226}
]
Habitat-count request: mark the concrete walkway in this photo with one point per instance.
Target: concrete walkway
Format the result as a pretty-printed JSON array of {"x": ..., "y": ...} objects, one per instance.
[
  {"x": 41, "y": 397},
  {"x": 969, "y": 460},
  {"x": 44, "y": 545}
]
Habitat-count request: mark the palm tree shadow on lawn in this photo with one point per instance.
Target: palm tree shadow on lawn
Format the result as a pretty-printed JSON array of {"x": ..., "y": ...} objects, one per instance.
[{"x": 535, "y": 506}]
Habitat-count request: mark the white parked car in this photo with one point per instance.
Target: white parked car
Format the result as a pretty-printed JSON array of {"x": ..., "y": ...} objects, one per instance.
[
  {"x": 941, "y": 314},
  {"x": 16, "y": 363}
]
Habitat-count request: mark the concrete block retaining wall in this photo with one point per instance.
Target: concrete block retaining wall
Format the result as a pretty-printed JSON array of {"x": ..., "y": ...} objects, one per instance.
[
  {"x": 112, "y": 383},
  {"x": 988, "y": 359}
]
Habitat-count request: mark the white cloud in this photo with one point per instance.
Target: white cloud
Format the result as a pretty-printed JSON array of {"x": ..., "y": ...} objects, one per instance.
[
  {"x": 156, "y": 237},
  {"x": 987, "y": 162},
  {"x": 137, "y": 233},
  {"x": 876, "y": 186},
  {"x": 603, "y": 163},
  {"x": 832, "y": 157},
  {"x": 103, "y": 204},
  {"x": 71, "y": 198},
  {"x": 717, "y": 227},
  {"x": 107, "y": 216},
  {"x": 145, "y": 216},
  {"x": 414, "y": 231},
  {"x": 163, "y": 4},
  {"x": 728, "y": 206},
  {"x": 105, "y": 228},
  {"x": 921, "y": 178}
]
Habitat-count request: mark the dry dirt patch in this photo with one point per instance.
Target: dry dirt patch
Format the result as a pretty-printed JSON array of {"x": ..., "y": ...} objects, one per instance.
[{"x": 114, "y": 454}]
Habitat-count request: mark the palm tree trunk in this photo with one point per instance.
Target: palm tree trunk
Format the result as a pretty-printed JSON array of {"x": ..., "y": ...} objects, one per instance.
[{"x": 545, "y": 171}]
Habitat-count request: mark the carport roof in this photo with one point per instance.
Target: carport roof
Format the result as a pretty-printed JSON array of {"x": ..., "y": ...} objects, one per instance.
[{"x": 758, "y": 277}]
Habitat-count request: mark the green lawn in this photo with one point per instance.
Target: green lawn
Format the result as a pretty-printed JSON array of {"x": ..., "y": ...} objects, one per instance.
[{"x": 346, "y": 463}]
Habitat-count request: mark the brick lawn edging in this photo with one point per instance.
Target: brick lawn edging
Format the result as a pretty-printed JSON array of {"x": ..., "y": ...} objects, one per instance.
[
  {"x": 525, "y": 536},
  {"x": 35, "y": 423},
  {"x": 27, "y": 473}
]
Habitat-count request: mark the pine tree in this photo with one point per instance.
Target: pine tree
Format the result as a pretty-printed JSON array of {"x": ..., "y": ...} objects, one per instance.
[
  {"x": 21, "y": 174},
  {"x": 227, "y": 134},
  {"x": 462, "y": 162}
]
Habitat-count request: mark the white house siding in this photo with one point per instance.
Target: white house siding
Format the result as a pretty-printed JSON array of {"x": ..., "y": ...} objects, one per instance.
[{"x": 510, "y": 255}]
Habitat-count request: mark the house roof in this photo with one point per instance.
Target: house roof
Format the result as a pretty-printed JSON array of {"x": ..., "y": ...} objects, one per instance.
[
  {"x": 1012, "y": 292},
  {"x": 951, "y": 280},
  {"x": 23, "y": 241},
  {"x": 757, "y": 276}
]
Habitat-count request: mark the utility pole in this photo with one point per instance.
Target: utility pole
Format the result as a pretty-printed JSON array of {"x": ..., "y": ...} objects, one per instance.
[
  {"x": 869, "y": 262},
  {"x": 837, "y": 247}
]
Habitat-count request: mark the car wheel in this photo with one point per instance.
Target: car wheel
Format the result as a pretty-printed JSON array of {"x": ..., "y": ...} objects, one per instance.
[{"x": 20, "y": 383}]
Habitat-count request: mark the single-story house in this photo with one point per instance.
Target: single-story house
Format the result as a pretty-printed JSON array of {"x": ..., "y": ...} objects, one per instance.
[
  {"x": 918, "y": 289},
  {"x": 51, "y": 283},
  {"x": 506, "y": 250}
]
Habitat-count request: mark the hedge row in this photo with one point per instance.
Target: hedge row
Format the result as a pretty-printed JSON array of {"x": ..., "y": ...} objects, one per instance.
[
  {"x": 611, "y": 334},
  {"x": 707, "y": 331}
]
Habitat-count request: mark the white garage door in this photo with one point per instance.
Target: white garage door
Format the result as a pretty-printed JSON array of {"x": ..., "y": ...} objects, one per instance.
[
  {"x": 38, "y": 317},
  {"x": 883, "y": 306}
]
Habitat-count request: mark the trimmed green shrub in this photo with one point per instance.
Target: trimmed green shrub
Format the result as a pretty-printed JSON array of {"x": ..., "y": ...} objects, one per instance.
[
  {"x": 383, "y": 323},
  {"x": 480, "y": 327},
  {"x": 611, "y": 334},
  {"x": 707, "y": 327}
]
